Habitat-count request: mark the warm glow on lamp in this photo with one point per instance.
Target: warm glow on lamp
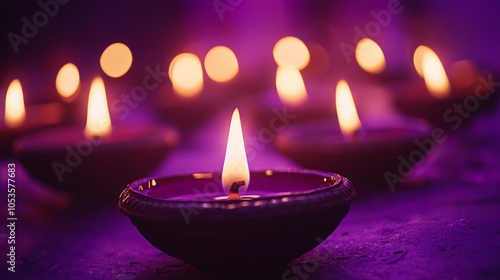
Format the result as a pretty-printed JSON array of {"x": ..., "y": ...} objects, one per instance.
[
  {"x": 346, "y": 110},
  {"x": 186, "y": 74},
  {"x": 290, "y": 86},
  {"x": 370, "y": 56},
  {"x": 291, "y": 51},
  {"x": 67, "y": 81},
  {"x": 221, "y": 64},
  {"x": 116, "y": 60},
  {"x": 434, "y": 75},
  {"x": 418, "y": 58},
  {"x": 235, "y": 163},
  {"x": 14, "y": 105},
  {"x": 98, "y": 120}
]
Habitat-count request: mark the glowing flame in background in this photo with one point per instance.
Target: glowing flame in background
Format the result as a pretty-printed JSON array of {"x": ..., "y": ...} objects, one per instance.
[
  {"x": 434, "y": 75},
  {"x": 221, "y": 64},
  {"x": 291, "y": 51},
  {"x": 346, "y": 110},
  {"x": 418, "y": 58},
  {"x": 68, "y": 81},
  {"x": 370, "y": 56},
  {"x": 98, "y": 119},
  {"x": 15, "y": 113},
  {"x": 186, "y": 74},
  {"x": 290, "y": 86},
  {"x": 116, "y": 60},
  {"x": 235, "y": 162}
]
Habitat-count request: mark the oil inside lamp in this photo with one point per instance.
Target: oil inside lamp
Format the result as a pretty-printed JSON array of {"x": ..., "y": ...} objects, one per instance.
[
  {"x": 68, "y": 81},
  {"x": 370, "y": 56},
  {"x": 98, "y": 119},
  {"x": 349, "y": 121},
  {"x": 291, "y": 51},
  {"x": 15, "y": 113},
  {"x": 116, "y": 60},
  {"x": 186, "y": 74},
  {"x": 221, "y": 64},
  {"x": 290, "y": 86}
]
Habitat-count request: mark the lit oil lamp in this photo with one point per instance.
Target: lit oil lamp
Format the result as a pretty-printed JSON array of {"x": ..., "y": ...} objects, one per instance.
[
  {"x": 237, "y": 220},
  {"x": 365, "y": 152},
  {"x": 444, "y": 100},
  {"x": 101, "y": 157},
  {"x": 185, "y": 102},
  {"x": 371, "y": 59},
  {"x": 290, "y": 95},
  {"x": 20, "y": 119}
]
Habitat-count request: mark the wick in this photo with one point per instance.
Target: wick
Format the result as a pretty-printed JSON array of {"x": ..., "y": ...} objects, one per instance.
[{"x": 233, "y": 192}]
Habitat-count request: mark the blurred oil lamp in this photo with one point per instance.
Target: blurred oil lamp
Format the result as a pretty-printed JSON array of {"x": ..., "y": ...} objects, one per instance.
[
  {"x": 187, "y": 94},
  {"x": 237, "y": 220},
  {"x": 68, "y": 86},
  {"x": 370, "y": 56},
  {"x": 373, "y": 62},
  {"x": 441, "y": 98},
  {"x": 20, "y": 119},
  {"x": 100, "y": 157},
  {"x": 290, "y": 95},
  {"x": 364, "y": 151}
]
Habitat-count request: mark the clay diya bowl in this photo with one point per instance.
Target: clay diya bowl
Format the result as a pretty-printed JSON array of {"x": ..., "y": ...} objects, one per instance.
[
  {"x": 379, "y": 149},
  {"x": 94, "y": 170},
  {"x": 282, "y": 216}
]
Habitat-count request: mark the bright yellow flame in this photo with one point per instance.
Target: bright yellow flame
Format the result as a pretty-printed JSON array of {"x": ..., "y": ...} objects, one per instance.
[
  {"x": 370, "y": 56},
  {"x": 290, "y": 86},
  {"x": 434, "y": 75},
  {"x": 221, "y": 64},
  {"x": 235, "y": 163},
  {"x": 186, "y": 74},
  {"x": 116, "y": 60},
  {"x": 98, "y": 120},
  {"x": 291, "y": 51},
  {"x": 418, "y": 58},
  {"x": 346, "y": 110},
  {"x": 67, "y": 80},
  {"x": 14, "y": 105}
]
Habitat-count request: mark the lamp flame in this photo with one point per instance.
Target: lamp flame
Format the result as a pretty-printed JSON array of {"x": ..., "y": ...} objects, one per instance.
[
  {"x": 116, "y": 60},
  {"x": 221, "y": 64},
  {"x": 370, "y": 56},
  {"x": 418, "y": 58},
  {"x": 235, "y": 163},
  {"x": 290, "y": 85},
  {"x": 186, "y": 74},
  {"x": 98, "y": 120},
  {"x": 346, "y": 110},
  {"x": 291, "y": 51},
  {"x": 15, "y": 113},
  {"x": 434, "y": 75},
  {"x": 67, "y": 81}
]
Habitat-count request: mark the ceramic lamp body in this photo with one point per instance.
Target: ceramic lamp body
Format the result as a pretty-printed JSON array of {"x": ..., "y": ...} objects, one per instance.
[
  {"x": 320, "y": 145},
  {"x": 298, "y": 207},
  {"x": 94, "y": 169},
  {"x": 413, "y": 99}
]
